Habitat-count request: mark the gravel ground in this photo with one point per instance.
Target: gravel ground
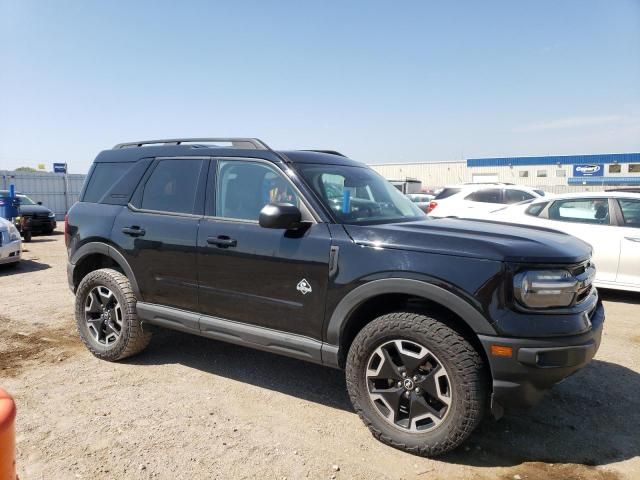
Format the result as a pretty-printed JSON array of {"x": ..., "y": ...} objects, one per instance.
[{"x": 195, "y": 408}]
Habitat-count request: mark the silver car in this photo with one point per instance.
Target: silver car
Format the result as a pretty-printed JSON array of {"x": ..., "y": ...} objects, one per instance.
[{"x": 10, "y": 243}]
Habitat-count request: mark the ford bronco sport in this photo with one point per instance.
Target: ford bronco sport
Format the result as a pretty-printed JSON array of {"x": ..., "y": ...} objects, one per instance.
[{"x": 313, "y": 255}]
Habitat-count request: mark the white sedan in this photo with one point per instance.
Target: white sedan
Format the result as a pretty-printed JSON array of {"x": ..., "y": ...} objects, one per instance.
[
  {"x": 609, "y": 221},
  {"x": 475, "y": 200},
  {"x": 10, "y": 243}
]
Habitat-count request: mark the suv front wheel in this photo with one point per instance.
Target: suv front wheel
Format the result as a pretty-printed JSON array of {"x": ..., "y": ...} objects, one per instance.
[
  {"x": 106, "y": 316},
  {"x": 416, "y": 383}
]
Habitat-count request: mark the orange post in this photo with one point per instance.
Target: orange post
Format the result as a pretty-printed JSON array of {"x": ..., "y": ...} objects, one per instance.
[{"x": 7, "y": 437}]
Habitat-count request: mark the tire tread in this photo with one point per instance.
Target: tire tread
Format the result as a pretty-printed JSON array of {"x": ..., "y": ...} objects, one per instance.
[
  {"x": 469, "y": 366},
  {"x": 136, "y": 338}
]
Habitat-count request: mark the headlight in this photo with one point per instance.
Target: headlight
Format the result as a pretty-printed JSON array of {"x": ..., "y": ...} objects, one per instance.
[
  {"x": 546, "y": 288},
  {"x": 52, "y": 215},
  {"x": 14, "y": 234}
]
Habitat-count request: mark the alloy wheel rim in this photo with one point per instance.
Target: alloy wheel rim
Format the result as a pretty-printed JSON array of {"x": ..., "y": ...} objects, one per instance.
[
  {"x": 408, "y": 386},
  {"x": 103, "y": 315}
]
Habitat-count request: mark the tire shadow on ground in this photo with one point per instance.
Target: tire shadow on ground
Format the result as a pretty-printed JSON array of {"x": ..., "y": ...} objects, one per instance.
[
  {"x": 40, "y": 239},
  {"x": 300, "y": 379},
  {"x": 589, "y": 419},
  {"x": 23, "y": 266}
]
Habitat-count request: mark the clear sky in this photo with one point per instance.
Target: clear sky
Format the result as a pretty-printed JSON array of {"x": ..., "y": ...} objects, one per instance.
[{"x": 380, "y": 81}]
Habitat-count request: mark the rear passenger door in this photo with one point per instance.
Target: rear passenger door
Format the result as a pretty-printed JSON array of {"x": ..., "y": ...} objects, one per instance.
[
  {"x": 629, "y": 221},
  {"x": 157, "y": 232},
  {"x": 484, "y": 200}
]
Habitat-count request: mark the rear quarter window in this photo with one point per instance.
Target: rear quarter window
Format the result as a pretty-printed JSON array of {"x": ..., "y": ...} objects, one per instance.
[
  {"x": 103, "y": 177},
  {"x": 446, "y": 193},
  {"x": 630, "y": 212},
  {"x": 535, "y": 209}
]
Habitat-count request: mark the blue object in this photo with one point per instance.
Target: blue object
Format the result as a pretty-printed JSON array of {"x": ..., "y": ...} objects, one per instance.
[
  {"x": 60, "y": 167},
  {"x": 9, "y": 204},
  {"x": 591, "y": 170},
  {"x": 346, "y": 200},
  {"x": 617, "y": 181},
  {"x": 555, "y": 160}
]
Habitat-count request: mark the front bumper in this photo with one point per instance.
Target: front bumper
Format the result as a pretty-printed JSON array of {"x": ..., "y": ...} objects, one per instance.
[
  {"x": 37, "y": 224},
  {"x": 520, "y": 381}
]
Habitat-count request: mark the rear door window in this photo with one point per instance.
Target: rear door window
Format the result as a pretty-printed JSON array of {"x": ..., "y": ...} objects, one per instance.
[
  {"x": 516, "y": 196},
  {"x": 490, "y": 195},
  {"x": 581, "y": 210},
  {"x": 172, "y": 186}
]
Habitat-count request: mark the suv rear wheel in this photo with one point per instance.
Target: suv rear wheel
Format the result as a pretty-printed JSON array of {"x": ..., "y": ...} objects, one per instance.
[
  {"x": 416, "y": 383},
  {"x": 106, "y": 316}
]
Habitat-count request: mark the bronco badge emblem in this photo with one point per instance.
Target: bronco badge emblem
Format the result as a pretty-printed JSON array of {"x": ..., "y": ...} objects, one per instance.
[{"x": 303, "y": 286}]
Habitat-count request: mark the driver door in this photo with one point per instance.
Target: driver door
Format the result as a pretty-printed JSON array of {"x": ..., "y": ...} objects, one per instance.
[{"x": 265, "y": 277}]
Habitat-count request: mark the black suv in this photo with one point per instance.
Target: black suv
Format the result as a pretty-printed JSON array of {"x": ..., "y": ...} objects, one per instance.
[{"x": 313, "y": 255}]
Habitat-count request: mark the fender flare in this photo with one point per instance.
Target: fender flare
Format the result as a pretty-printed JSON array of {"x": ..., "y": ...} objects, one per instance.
[
  {"x": 108, "y": 251},
  {"x": 471, "y": 316}
]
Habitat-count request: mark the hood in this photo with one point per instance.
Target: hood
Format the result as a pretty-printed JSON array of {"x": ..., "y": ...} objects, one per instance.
[
  {"x": 477, "y": 239},
  {"x": 31, "y": 209}
]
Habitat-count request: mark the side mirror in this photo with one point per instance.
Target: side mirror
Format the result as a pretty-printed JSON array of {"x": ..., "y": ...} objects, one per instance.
[
  {"x": 280, "y": 215},
  {"x": 39, "y": 203}
]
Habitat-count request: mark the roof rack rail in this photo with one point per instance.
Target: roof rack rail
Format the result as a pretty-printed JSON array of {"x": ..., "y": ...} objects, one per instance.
[
  {"x": 244, "y": 143},
  {"x": 488, "y": 183},
  {"x": 330, "y": 152}
]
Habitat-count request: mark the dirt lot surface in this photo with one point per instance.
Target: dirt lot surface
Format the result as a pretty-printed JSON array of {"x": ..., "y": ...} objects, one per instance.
[{"x": 194, "y": 408}]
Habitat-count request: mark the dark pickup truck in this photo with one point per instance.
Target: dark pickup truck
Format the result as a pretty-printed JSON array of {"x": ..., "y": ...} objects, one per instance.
[
  {"x": 34, "y": 217},
  {"x": 314, "y": 255}
]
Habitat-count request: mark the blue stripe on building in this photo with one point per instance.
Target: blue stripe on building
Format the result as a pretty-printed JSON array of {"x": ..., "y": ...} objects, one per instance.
[
  {"x": 612, "y": 180},
  {"x": 555, "y": 160}
]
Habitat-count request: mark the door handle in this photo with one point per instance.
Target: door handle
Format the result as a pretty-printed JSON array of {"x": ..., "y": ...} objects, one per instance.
[
  {"x": 222, "y": 241},
  {"x": 134, "y": 231},
  {"x": 633, "y": 239}
]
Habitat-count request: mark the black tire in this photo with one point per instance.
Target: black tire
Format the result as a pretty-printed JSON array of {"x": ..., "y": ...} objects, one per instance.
[
  {"x": 132, "y": 338},
  {"x": 465, "y": 382}
]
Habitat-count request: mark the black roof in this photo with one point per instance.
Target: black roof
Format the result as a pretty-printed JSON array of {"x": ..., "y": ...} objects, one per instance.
[{"x": 247, "y": 148}]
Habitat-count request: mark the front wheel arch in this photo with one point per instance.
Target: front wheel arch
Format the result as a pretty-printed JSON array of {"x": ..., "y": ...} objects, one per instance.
[{"x": 367, "y": 302}]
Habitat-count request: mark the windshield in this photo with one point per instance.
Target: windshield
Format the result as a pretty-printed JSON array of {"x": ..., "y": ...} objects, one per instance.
[
  {"x": 24, "y": 200},
  {"x": 418, "y": 197},
  {"x": 358, "y": 195}
]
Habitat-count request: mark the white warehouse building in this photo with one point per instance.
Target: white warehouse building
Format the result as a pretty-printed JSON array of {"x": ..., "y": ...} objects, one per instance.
[{"x": 555, "y": 174}]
